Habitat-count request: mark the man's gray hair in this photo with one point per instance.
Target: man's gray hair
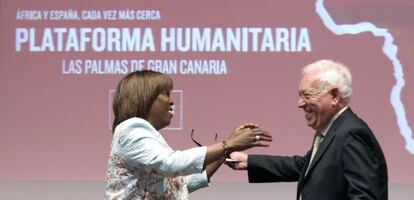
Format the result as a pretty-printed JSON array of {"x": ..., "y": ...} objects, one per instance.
[{"x": 332, "y": 74}]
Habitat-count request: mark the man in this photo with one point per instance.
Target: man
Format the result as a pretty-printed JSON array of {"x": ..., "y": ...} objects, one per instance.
[{"x": 347, "y": 160}]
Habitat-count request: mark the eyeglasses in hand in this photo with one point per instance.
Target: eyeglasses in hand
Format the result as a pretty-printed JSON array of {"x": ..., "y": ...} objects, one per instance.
[{"x": 197, "y": 143}]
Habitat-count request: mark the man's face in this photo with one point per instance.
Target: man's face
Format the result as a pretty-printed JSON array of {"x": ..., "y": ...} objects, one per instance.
[{"x": 319, "y": 106}]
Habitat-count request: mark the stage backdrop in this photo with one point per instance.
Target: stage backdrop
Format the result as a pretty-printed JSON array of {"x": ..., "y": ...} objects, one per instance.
[{"x": 231, "y": 62}]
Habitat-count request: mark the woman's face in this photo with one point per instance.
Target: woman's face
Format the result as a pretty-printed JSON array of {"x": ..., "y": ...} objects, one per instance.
[{"x": 161, "y": 111}]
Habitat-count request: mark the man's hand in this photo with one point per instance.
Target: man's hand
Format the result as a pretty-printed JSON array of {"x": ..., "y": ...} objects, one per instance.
[{"x": 239, "y": 161}]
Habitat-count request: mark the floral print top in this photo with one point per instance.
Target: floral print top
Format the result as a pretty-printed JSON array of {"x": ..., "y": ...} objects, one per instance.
[{"x": 142, "y": 166}]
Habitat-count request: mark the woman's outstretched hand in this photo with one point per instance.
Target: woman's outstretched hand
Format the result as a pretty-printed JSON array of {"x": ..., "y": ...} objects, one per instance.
[{"x": 247, "y": 136}]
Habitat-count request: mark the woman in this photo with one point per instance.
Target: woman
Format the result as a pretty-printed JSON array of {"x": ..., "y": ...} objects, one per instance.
[{"x": 141, "y": 164}]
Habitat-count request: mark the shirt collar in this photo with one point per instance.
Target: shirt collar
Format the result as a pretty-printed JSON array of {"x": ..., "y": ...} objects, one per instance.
[{"x": 325, "y": 130}]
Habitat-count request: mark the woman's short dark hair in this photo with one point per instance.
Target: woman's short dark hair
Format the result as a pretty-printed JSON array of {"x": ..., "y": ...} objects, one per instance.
[{"x": 136, "y": 93}]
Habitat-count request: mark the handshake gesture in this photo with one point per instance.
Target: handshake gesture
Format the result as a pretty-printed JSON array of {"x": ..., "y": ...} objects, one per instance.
[{"x": 244, "y": 137}]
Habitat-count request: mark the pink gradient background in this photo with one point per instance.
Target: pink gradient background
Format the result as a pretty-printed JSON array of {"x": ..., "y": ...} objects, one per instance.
[{"x": 55, "y": 126}]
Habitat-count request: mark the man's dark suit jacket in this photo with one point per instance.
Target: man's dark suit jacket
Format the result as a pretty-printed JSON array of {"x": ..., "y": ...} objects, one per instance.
[{"x": 349, "y": 164}]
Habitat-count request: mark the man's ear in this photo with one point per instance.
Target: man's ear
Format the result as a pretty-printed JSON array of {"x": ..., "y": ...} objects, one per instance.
[{"x": 335, "y": 96}]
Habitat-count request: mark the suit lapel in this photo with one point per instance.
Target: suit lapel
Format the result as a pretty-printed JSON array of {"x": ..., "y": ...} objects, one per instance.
[
  {"x": 329, "y": 137},
  {"x": 327, "y": 140}
]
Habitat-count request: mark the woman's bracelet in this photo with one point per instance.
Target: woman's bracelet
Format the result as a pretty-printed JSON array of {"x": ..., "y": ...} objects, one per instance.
[{"x": 226, "y": 153}]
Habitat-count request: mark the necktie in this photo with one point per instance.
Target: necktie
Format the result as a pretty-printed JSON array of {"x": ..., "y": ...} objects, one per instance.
[{"x": 316, "y": 143}]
